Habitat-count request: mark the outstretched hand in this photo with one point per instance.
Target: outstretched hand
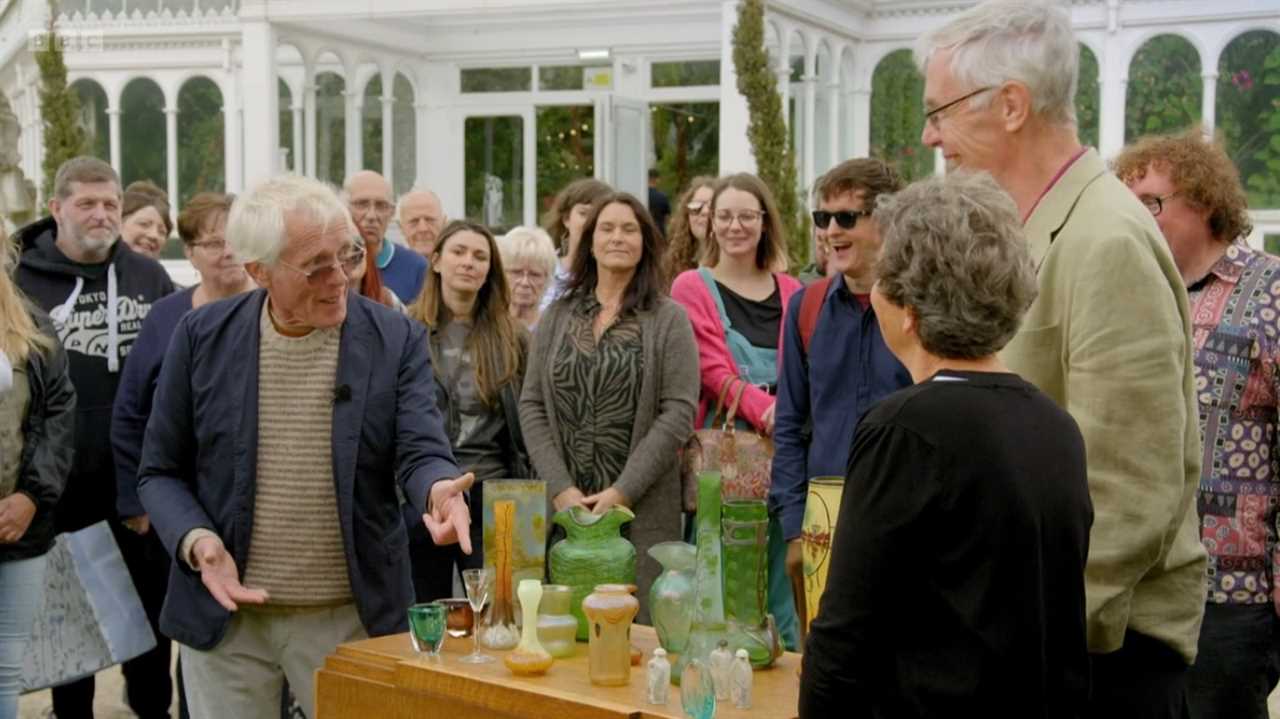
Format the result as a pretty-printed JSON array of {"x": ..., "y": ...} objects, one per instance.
[
  {"x": 449, "y": 519},
  {"x": 218, "y": 572}
]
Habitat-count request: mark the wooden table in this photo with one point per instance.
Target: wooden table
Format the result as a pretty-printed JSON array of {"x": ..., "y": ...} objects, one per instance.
[{"x": 384, "y": 678}]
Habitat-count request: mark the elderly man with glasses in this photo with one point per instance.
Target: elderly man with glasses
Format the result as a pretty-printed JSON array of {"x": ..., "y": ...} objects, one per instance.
[
  {"x": 284, "y": 419},
  {"x": 1107, "y": 337},
  {"x": 368, "y": 196}
]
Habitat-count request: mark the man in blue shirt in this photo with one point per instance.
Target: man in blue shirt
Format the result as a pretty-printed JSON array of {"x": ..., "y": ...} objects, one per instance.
[
  {"x": 830, "y": 378},
  {"x": 368, "y": 197}
]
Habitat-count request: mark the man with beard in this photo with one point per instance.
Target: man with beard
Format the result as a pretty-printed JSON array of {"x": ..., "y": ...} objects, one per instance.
[{"x": 98, "y": 291}]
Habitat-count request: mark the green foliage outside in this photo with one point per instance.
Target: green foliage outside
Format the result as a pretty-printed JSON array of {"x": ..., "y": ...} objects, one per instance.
[
  {"x": 93, "y": 118},
  {"x": 59, "y": 109},
  {"x": 686, "y": 140},
  {"x": 494, "y": 147},
  {"x": 331, "y": 124},
  {"x": 897, "y": 116},
  {"x": 685, "y": 73},
  {"x": 497, "y": 79},
  {"x": 1248, "y": 113},
  {"x": 566, "y": 149},
  {"x": 371, "y": 125},
  {"x": 1164, "y": 90},
  {"x": 767, "y": 129},
  {"x": 142, "y": 137},
  {"x": 1087, "y": 98},
  {"x": 201, "y": 157}
]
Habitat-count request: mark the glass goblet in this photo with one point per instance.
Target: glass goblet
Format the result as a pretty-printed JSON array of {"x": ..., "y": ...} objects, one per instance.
[
  {"x": 427, "y": 628},
  {"x": 478, "y": 583}
]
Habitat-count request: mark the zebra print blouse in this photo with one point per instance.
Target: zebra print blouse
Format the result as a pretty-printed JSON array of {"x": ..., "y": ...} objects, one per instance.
[{"x": 597, "y": 388}]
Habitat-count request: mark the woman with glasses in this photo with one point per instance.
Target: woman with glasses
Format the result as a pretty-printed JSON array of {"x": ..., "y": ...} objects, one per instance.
[
  {"x": 202, "y": 227},
  {"x": 478, "y": 354},
  {"x": 687, "y": 232},
  {"x": 613, "y": 376},
  {"x": 564, "y": 222},
  {"x": 736, "y": 303},
  {"x": 529, "y": 259},
  {"x": 37, "y": 419}
]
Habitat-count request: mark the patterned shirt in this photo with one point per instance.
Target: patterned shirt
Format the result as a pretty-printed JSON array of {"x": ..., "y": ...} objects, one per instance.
[
  {"x": 1236, "y": 330},
  {"x": 597, "y": 392}
]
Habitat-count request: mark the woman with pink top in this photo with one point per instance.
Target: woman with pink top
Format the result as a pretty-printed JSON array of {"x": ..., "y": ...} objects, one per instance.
[
  {"x": 737, "y": 299},
  {"x": 736, "y": 302}
]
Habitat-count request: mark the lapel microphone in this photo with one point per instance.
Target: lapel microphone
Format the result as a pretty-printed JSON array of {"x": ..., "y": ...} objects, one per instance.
[{"x": 342, "y": 393}]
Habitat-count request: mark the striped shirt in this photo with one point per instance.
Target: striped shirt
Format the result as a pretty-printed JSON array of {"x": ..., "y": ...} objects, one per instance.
[{"x": 295, "y": 549}]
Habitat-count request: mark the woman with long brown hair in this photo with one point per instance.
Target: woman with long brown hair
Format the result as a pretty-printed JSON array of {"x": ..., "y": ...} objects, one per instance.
[
  {"x": 37, "y": 418},
  {"x": 564, "y": 222},
  {"x": 478, "y": 354},
  {"x": 687, "y": 233}
]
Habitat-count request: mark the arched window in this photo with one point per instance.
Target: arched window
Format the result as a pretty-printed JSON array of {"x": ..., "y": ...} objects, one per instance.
[
  {"x": 897, "y": 116},
  {"x": 1087, "y": 97},
  {"x": 1247, "y": 115},
  {"x": 142, "y": 132},
  {"x": 93, "y": 117},
  {"x": 201, "y": 134},
  {"x": 1165, "y": 88}
]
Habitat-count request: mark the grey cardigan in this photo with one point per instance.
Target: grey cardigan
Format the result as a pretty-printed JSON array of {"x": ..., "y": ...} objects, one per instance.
[{"x": 650, "y": 481}]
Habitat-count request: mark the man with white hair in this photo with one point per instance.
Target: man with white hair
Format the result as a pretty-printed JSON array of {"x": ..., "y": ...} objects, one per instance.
[
  {"x": 421, "y": 218},
  {"x": 1107, "y": 337},
  {"x": 283, "y": 420},
  {"x": 368, "y": 196}
]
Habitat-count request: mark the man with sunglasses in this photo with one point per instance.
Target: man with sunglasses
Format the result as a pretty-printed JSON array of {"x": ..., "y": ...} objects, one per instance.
[
  {"x": 1107, "y": 338},
  {"x": 1193, "y": 189},
  {"x": 835, "y": 364},
  {"x": 286, "y": 421}
]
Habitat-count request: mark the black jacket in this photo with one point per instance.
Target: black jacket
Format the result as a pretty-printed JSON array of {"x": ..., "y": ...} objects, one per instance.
[
  {"x": 47, "y": 443},
  {"x": 96, "y": 349}
]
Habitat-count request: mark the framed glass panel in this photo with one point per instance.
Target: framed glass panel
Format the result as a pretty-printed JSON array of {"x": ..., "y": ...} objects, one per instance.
[{"x": 493, "y": 153}]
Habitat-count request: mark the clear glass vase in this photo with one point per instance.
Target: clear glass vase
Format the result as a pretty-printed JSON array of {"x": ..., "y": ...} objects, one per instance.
[
  {"x": 557, "y": 627},
  {"x": 671, "y": 596}
]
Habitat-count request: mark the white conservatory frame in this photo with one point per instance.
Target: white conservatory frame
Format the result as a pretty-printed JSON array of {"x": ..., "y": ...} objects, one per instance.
[{"x": 238, "y": 45}]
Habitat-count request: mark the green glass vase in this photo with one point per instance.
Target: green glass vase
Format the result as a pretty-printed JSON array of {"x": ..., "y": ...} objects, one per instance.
[
  {"x": 593, "y": 552},
  {"x": 671, "y": 596},
  {"x": 744, "y": 542},
  {"x": 708, "y": 626}
]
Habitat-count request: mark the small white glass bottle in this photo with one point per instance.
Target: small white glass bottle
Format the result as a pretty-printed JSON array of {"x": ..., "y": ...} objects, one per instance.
[
  {"x": 720, "y": 665},
  {"x": 659, "y": 678},
  {"x": 740, "y": 680}
]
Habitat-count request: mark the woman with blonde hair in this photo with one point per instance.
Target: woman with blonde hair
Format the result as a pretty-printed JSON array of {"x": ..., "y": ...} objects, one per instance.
[
  {"x": 530, "y": 260},
  {"x": 37, "y": 419},
  {"x": 687, "y": 231},
  {"x": 478, "y": 354}
]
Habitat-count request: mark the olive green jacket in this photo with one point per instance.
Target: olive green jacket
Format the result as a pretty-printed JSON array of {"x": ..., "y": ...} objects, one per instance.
[{"x": 1108, "y": 338}]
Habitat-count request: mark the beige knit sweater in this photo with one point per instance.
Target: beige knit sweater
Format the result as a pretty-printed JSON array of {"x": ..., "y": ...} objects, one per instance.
[{"x": 295, "y": 549}]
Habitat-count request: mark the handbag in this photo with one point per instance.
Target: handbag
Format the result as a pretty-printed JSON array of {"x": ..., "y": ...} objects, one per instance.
[
  {"x": 744, "y": 459},
  {"x": 91, "y": 617}
]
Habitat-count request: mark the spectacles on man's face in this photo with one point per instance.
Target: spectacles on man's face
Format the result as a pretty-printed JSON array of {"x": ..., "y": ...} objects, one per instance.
[
  {"x": 935, "y": 116},
  {"x": 848, "y": 219},
  {"x": 347, "y": 261},
  {"x": 382, "y": 207},
  {"x": 746, "y": 218},
  {"x": 1154, "y": 204}
]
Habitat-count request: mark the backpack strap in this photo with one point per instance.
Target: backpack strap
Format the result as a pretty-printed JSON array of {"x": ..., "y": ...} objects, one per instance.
[{"x": 810, "y": 305}]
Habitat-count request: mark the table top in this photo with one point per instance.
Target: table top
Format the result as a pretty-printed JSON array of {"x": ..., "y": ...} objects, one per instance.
[{"x": 565, "y": 691}]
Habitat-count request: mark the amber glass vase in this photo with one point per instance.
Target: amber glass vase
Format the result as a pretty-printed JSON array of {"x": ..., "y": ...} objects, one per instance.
[{"x": 610, "y": 610}]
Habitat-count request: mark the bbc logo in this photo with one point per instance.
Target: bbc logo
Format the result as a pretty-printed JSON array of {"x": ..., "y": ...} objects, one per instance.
[{"x": 65, "y": 40}]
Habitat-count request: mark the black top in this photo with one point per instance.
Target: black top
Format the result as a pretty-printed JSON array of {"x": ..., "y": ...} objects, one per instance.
[
  {"x": 49, "y": 278},
  {"x": 956, "y": 583},
  {"x": 758, "y": 321},
  {"x": 659, "y": 208}
]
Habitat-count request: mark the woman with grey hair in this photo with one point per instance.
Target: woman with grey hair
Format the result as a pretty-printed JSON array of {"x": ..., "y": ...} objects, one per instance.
[
  {"x": 956, "y": 583},
  {"x": 530, "y": 261}
]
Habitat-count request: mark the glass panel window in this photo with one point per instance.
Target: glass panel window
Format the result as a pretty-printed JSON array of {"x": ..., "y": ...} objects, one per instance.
[
  {"x": 494, "y": 158},
  {"x": 497, "y": 79},
  {"x": 564, "y": 77},
  {"x": 686, "y": 73}
]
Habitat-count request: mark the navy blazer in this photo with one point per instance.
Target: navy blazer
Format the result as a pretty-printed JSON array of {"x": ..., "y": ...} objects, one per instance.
[{"x": 199, "y": 456}]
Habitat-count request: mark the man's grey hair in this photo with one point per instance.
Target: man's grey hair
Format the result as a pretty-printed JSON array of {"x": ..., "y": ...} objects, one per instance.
[
  {"x": 955, "y": 254},
  {"x": 84, "y": 169},
  {"x": 444, "y": 217},
  {"x": 256, "y": 225},
  {"x": 1028, "y": 41}
]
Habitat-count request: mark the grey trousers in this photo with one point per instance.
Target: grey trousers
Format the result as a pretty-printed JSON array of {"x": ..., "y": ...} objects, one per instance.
[{"x": 243, "y": 676}]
